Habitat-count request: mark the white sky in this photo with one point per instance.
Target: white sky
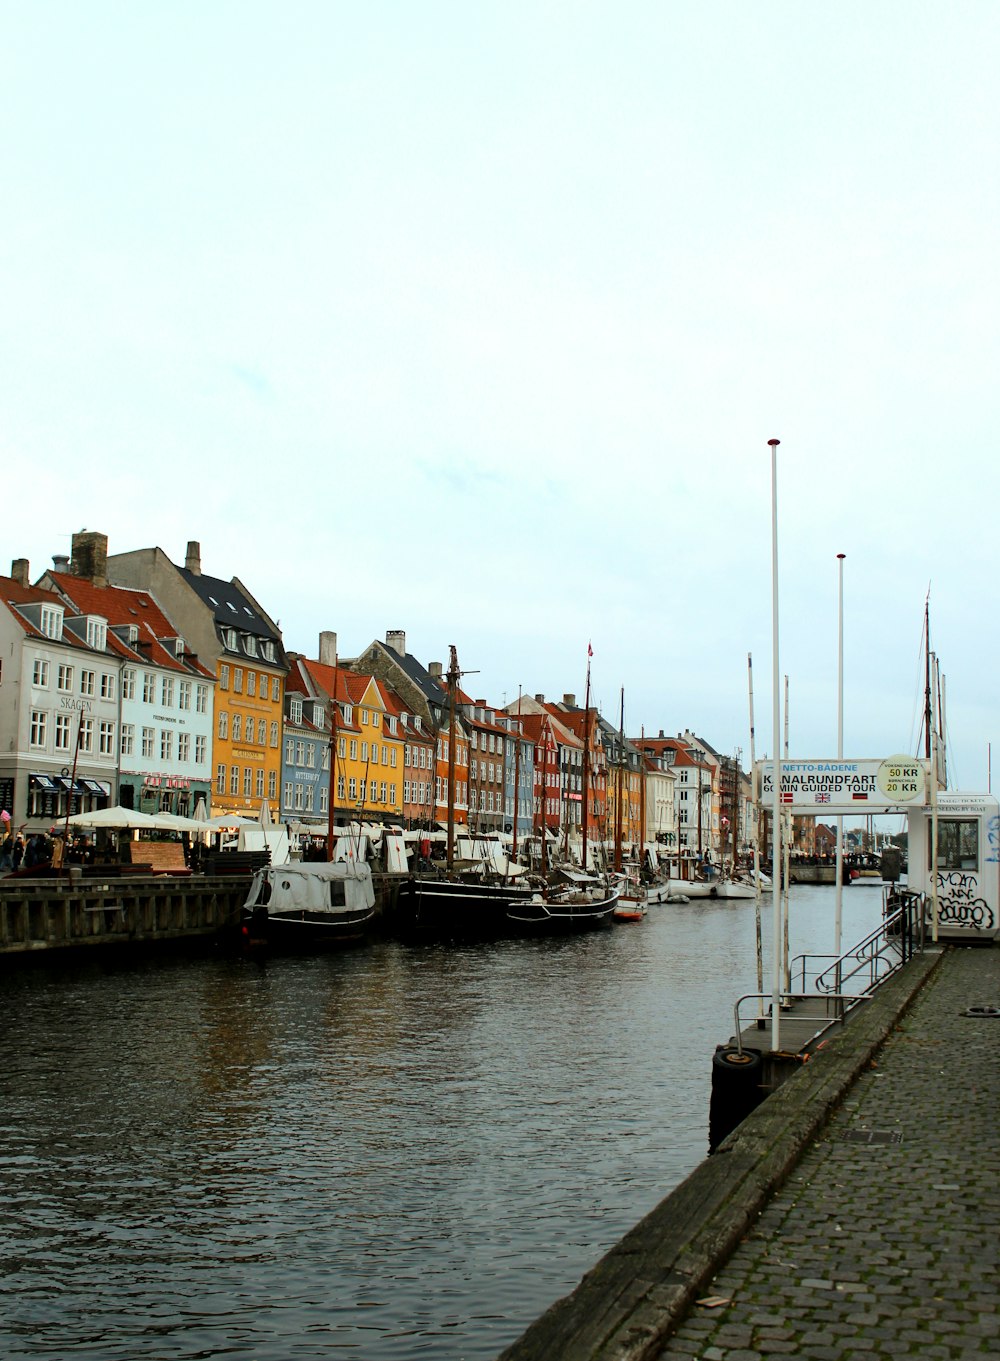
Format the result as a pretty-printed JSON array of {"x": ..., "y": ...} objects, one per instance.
[{"x": 475, "y": 319}]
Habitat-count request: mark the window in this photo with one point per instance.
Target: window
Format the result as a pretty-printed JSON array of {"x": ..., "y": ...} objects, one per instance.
[
  {"x": 392, "y": 795},
  {"x": 364, "y": 751},
  {"x": 382, "y": 791},
  {"x": 238, "y": 679},
  {"x": 290, "y": 751},
  {"x": 220, "y": 778},
  {"x": 250, "y": 648},
  {"x": 87, "y": 679},
  {"x": 52, "y": 618},
  {"x": 374, "y": 792},
  {"x": 63, "y": 734},
  {"x": 86, "y": 734},
  {"x": 148, "y": 687},
  {"x": 251, "y": 682},
  {"x": 247, "y": 781},
  {"x": 352, "y": 789},
  {"x": 375, "y": 718},
  {"x": 237, "y": 726},
  {"x": 183, "y": 746},
  {"x": 184, "y": 694},
  {"x": 147, "y": 742},
  {"x": 309, "y": 798},
  {"x": 274, "y": 732},
  {"x": 223, "y": 724},
  {"x": 224, "y": 676},
  {"x": 40, "y": 673},
  {"x": 106, "y": 739},
  {"x": 234, "y": 779},
  {"x": 268, "y": 649},
  {"x": 295, "y": 711},
  {"x": 362, "y": 791},
  {"x": 260, "y": 782},
  {"x": 272, "y": 783},
  {"x": 298, "y": 798},
  {"x": 107, "y": 685},
  {"x": 300, "y": 753},
  {"x": 261, "y": 731},
  {"x": 340, "y": 787},
  {"x": 167, "y": 692},
  {"x": 311, "y": 755},
  {"x": 364, "y": 717},
  {"x": 166, "y": 745},
  {"x": 200, "y": 749},
  {"x": 392, "y": 757},
  {"x": 287, "y": 796},
  {"x": 341, "y": 747},
  {"x": 354, "y": 748},
  {"x": 201, "y": 699},
  {"x": 958, "y": 844},
  {"x": 128, "y": 739},
  {"x": 64, "y": 678},
  {"x": 275, "y": 687}
]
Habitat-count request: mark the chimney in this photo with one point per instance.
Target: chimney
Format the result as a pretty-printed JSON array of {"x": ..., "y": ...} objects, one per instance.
[
  {"x": 60, "y": 562},
  {"x": 435, "y": 670},
  {"x": 569, "y": 701},
  {"x": 480, "y": 703},
  {"x": 19, "y": 571},
  {"x": 90, "y": 557},
  {"x": 540, "y": 699},
  {"x": 396, "y": 639},
  {"x": 328, "y": 648},
  {"x": 661, "y": 732},
  {"x": 192, "y": 558}
]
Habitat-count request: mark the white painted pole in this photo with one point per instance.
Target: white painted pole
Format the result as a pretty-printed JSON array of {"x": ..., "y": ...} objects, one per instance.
[
  {"x": 776, "y": 782},
  {"x": 785, "y": 873},
  {"x": 838, "y": 919},
  {"x": 756, "y": 846}
]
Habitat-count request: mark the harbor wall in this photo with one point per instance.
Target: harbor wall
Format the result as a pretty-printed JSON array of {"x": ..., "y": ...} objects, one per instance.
[
  {"x": 73, "y": 912},
  {"x": 627, "y": 1305}
]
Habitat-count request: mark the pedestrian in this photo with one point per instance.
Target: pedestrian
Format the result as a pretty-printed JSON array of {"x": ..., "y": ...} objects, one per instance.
[
  {"x": 18, "y": 853},
  {"x": 7, "y": 852}
]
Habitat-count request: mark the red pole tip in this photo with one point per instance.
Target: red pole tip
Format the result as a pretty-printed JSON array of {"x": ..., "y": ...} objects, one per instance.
[
  {"x": 841, "y": 556},
  {"x": 773, "y": 442}
]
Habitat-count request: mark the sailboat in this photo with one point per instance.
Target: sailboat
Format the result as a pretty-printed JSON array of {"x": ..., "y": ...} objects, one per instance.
[
  {"x": 473, "y": 902},
  {"x": 573, "y": 900},
  {"x": 631, "y": 906}
]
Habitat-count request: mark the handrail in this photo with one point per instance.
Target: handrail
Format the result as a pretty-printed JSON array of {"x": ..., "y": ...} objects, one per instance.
[
  {"x": 839, "y": 1015},
  {"x": 885, "y": 949}
]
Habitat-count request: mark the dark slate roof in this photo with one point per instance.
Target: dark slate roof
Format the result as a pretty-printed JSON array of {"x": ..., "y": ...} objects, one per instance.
[{"x": 229, "y": 605}]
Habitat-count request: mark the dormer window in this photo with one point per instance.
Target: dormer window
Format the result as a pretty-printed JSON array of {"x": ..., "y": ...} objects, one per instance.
[
  {"x": 295, "y": 711},
  {"x": 267, "y": 648},
  {"x": 318, "y": 715},
  {"x": 348, "y": 713},
  {"x": 229, "y": 639},
  {"x": 52, "y": 621},
  {"x": 179, "y": 647},
  {"x": 250, "y": 644}
]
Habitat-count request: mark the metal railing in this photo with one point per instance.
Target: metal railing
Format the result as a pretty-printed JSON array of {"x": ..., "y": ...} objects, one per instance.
[{"x": 897, "y": 938}]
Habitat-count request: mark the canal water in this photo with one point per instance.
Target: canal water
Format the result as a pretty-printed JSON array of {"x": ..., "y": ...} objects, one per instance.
[{"x": 395, "y": 1153}]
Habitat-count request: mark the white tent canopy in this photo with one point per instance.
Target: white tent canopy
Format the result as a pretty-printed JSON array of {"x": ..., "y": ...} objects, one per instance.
[{"x": 117, "y": 817}]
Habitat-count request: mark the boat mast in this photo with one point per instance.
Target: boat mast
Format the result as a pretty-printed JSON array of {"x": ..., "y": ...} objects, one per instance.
[
  {"x": 453, "y": 675},
  {"x": 927, "y": 678},
  {"x": 618, "y": 799},
  {"x": 545, "y": 778},
  {"x": 586, "y": 760},
  {"x": 517, "y": 774},
  {"x": 332, "y": 780},
  {"x": 642, "y": 797}
]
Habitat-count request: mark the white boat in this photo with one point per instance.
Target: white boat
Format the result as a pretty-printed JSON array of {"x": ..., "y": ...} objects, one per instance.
[{"x": 309, "y": 904}]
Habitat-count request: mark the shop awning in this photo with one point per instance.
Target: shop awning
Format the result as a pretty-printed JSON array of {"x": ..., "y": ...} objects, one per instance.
[
  {"x": 95, "y": 787},
  {"x": 44, "y": 782},
  {"x": 64, "y": 782}
]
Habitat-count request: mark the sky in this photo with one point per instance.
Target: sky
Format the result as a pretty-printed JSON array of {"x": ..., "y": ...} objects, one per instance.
[{"x": 474, "y": 320}]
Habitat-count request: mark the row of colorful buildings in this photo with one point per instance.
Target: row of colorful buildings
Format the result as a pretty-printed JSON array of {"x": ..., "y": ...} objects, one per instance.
[{"x": 129, "y": 678}]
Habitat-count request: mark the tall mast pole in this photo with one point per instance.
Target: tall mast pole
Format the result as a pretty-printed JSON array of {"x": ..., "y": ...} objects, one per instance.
[
  {"x": 839, "y": 891},
  {"x": 586, "y": 760},
  {"x": 776, "y": 781},
  {"x": 330, "y": 800},
  {"x": 545, "y": 785},
  {"x": 517, "y": 774},
  {"x": 619, "y": 791},
  {"x": 453, "y": 675},
  {"x": 927, "y": 678}
]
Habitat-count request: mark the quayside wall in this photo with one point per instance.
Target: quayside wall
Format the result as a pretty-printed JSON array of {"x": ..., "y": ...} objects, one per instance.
[{"x": 75, "y": 912}]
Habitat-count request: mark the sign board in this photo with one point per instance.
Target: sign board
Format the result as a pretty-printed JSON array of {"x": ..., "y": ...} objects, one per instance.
[{"x": 820, "y": 787}]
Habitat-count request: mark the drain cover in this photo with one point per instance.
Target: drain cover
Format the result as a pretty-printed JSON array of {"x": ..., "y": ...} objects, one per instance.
[
  {"x": 981, "y": 1011},
  {"x": 872, "y": 1136}
]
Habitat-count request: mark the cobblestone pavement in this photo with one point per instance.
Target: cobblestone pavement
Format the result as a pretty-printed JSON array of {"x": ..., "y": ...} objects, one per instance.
[{"x": 883, "y": 1249}]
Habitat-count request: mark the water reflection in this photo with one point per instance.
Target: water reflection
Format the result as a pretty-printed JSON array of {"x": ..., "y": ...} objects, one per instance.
[{"x": 392, "y": 1153}]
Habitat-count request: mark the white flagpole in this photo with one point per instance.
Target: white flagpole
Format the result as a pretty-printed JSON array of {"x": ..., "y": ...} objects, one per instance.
[{"x": 776, "y": 781}]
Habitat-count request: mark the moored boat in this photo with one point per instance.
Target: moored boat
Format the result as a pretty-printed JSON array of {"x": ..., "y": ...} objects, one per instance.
[
  {"x": 582, "y": 903},
  {"x": 308, "y": 905}
]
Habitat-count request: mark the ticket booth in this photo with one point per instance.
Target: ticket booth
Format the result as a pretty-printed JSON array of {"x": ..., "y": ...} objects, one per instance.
[{"x": 967, "y": 872}]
